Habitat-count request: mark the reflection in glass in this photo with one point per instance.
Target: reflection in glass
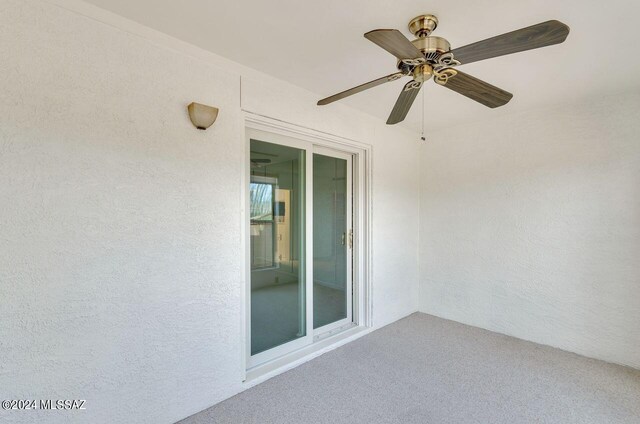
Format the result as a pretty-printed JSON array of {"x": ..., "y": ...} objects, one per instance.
[
  {"x": 276, "y": 196},
  {"x": 330, "y": 238},
  {"x": 261, "y": 201}
]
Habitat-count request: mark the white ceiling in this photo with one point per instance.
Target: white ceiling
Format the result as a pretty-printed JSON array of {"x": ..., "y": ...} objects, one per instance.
[{"x": 318, "y": 45}]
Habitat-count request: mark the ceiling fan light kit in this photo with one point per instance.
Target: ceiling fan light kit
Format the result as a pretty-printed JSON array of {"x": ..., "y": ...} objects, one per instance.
[{"x": 430, "y": 56}]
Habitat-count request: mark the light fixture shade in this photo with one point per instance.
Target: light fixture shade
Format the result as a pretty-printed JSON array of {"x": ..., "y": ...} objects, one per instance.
[{"x": 202, "y": 116}]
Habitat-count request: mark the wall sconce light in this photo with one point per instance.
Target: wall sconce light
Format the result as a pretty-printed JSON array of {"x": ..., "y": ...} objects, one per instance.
[{"x": 202, "y": 116}]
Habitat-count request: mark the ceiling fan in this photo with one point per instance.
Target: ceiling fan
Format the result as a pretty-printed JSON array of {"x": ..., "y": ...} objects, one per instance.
[
  {"x": 259, "y": 163},
  {"x": 429, "y": 56}
]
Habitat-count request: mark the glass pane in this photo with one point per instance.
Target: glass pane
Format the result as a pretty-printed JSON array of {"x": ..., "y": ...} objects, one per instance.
[
  {"x": 261, "y": 201},
  {"x": 330, "y": 238},
  {"x": 277, "y": 245}
]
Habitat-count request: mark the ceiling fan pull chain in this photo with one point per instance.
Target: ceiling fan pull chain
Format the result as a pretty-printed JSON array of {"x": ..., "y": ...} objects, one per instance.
[{"x": 422, "y": 135}]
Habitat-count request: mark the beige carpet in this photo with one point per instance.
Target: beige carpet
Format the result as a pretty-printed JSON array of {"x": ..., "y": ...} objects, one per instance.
[{"x": 425, "y": 370}]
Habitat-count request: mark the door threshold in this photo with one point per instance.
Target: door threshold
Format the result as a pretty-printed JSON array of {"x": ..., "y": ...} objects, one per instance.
[
  {"x": 263, "y": 372},
  {"x": 332, "y": 331}
]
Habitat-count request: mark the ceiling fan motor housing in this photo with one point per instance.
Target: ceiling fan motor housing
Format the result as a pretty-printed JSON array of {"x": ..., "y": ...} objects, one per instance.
[{"x": 432, "y": 47}]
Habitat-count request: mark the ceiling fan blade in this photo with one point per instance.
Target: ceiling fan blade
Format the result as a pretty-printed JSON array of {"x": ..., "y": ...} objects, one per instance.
[
  {"x": 477, "y": 90},
  {"x": 395, "y": 43},
  {"x": 533, "y": 37},
  {"x": 404, "y": 102},
  {"x": 360, "y": 88}
]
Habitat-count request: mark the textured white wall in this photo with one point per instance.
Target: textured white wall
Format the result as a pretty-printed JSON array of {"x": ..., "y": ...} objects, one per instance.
[
  {"x": 530, "y": 226},
  {"x": 120, "y": 255}
]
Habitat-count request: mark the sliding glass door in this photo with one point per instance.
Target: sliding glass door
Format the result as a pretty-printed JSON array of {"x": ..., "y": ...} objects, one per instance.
[
  {"x": 300, "y": 247},
  {"x": 277, "y": 233},
  {"x": 332, "y": 239}
]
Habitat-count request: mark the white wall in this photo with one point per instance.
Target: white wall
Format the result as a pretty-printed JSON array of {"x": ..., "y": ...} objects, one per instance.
[
  {"x": 120, "y": 254},
  {"x": 530, "y": 226}
]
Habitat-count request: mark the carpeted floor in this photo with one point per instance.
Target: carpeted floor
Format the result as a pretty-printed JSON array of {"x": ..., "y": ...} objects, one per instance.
[{"x": 424, "y": 369}]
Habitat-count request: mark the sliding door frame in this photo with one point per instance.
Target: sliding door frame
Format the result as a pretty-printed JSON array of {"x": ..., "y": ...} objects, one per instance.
[
  {"x": 304, "y": 263},
  {"x": 311, "y": 140},
  {"x": 338, "y": 325}
]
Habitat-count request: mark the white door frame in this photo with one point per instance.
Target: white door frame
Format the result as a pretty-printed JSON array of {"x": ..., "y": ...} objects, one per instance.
[
  {"x": 310, "y": 140},
  {"x": 307, "y": 238}
]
